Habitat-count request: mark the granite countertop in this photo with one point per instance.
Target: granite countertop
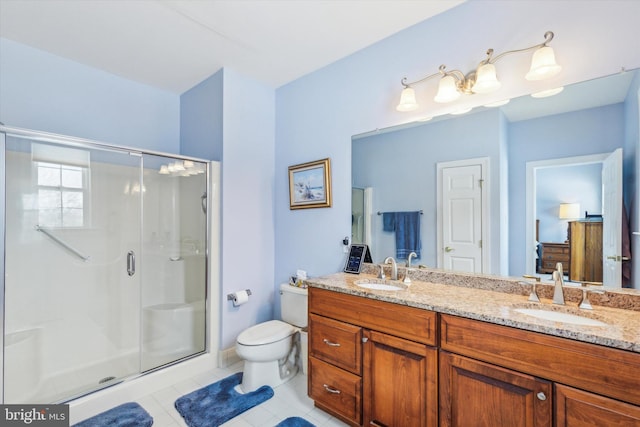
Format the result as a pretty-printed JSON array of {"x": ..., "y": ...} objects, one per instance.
[{"x": 494, "y": 300}]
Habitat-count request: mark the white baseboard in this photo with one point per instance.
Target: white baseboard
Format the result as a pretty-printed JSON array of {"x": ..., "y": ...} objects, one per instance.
[{"x": 228, "y": 357}]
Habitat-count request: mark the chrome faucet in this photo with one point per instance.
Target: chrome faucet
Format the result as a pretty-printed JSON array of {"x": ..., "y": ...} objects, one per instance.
[
  {"x": 411, "y": 255},
  {"x": 534, "y": 294},
  {"x": 381, "y": 272},
  {"x": 558, "y": 290},
  {"x": 406, "y": 273},
  {"x": 394, "y": 267}
]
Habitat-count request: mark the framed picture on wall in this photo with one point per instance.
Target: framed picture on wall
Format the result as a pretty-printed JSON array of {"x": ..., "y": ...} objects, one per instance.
[{"x": 310, "y": 185}]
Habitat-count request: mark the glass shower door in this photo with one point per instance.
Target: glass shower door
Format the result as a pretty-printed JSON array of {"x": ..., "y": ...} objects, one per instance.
[
  {"x": 174, "y": 255},
  {"x": 72, "y": 292}
]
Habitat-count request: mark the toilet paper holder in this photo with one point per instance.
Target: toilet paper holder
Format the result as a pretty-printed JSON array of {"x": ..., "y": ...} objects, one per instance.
[{"x": 231, "y": 296}]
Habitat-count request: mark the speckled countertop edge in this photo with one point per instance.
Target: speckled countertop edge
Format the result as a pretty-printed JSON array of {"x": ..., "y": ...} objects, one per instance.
[{"x": 490, "y": 301}]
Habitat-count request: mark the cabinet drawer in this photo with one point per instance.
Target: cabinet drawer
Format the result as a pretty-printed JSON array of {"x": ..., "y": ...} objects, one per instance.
[
  {"x": 607, "y": 371},
  {"x": 556, "y": 249},
  {"x": 336, "y": 342},
  {"x": 336, "y": 390},
  {"x": 411, "y": 323}
]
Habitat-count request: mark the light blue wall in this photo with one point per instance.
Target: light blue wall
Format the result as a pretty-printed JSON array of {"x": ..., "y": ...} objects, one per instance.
[
  {"x": 247, "y": 202},
  {"x": 201, "y": 119},
  {"x": 318, "y": 114},
  {"x": 581, "y": 133},
  {"x": 401, "y": 167},
  {"x": 44, "y": 92},
  {"x": 632, "y": 181}
]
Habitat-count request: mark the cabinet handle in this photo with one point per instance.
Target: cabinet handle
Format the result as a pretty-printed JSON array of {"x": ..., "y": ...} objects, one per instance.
[
  {"x": 330, "y": 389},
  {"x": 331, "y": 344},
  {"x": 365, "y": 339},
  {"x": 541, "y": 396}
]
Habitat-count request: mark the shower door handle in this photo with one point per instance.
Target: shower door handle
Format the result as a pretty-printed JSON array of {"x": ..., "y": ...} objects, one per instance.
[{"x": 131, "y": 263}]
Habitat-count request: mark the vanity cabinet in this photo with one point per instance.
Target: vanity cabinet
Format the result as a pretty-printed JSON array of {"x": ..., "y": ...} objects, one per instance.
[
  {"x": 493, "y": 373},
  {"x": 491, "y": 395},
  {"x": 578, "y": 408},
  {"x": 371, "y": 362}
]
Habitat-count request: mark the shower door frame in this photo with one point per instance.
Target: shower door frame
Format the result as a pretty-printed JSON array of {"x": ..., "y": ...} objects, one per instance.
[{"x": 212, "y": 200}]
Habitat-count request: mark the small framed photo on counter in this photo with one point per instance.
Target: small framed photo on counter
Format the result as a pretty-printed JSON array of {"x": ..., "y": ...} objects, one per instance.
[{"x": 358, "y": 254}]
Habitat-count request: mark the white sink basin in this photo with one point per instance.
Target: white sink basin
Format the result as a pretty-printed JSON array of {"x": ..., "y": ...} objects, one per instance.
[
  {"x": 379, "y": 285},
  {"x": 559, "y": 316}
]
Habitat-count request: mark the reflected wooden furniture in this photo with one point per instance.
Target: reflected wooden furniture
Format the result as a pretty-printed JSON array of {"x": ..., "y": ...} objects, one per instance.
[
  {"x": 585, "y": 254},
  {"x": 553, "y": 253}
]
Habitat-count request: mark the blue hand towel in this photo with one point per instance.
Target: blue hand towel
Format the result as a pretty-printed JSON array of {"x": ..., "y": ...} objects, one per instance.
[
  {"x": 388, "y": 221},
  {"x": 407, "y": 226}
]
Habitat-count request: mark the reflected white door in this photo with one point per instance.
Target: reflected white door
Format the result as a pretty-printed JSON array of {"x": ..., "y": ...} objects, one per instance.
[
  {"x": 612, "y": 219},
  {"x": 461, "y": 225}
]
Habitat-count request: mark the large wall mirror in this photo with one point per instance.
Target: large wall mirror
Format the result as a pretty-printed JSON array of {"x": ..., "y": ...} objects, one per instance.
[{"x": 494, "y": 185}]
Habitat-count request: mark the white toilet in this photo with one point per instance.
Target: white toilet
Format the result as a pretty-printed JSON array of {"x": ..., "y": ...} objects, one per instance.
[{"x": 268, "y": 348}]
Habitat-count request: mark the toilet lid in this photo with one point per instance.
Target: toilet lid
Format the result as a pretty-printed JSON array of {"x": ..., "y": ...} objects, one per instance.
[{"x": 265, "y": 333}]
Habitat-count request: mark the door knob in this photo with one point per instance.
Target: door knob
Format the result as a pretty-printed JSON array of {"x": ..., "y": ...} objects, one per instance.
[{"x": 448, "y": 249}]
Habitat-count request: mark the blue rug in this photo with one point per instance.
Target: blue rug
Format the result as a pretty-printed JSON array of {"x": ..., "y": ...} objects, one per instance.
[
  {"x": 295, "y": 422},
  {"x": 217, "y": 403},
  {"x": 126, "y": 415}
]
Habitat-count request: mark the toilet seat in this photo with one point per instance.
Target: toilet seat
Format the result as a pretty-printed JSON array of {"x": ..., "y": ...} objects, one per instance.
[{"x": 266, "y": 333}]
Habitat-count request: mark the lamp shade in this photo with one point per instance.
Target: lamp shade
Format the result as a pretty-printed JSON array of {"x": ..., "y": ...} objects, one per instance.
[
  {"x": 486, "y": 80},
  {"x": 569, "y": 211},
  {"x": 543, "y": 64},
  {"x": 407, "y": 100},
  {"x": 447, "y": 90}
]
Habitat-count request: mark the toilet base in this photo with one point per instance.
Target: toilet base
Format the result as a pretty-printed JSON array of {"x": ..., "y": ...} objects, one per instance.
[{"x": 273, "y": 373}]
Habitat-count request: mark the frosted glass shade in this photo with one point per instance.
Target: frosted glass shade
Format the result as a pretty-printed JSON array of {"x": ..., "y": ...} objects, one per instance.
[
  {"x": 486, "y": 80},
  {"x": 569, "y": 211},
  {"x": 407, "y": 100},
  {"x": 447, "y": 90},
  {"x": 548, "y": 92},
  {"x": 543, "y": 64}
]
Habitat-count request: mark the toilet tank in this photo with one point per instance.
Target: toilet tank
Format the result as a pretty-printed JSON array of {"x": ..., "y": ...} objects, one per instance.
[{"x": 293, "y": 305}]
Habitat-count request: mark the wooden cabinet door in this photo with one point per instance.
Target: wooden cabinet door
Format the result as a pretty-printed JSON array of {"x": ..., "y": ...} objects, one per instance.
[
  {"x": 478, "y": 394},
  {"x": 577, "y": 408},
  {"x": 399, "y": 382}
]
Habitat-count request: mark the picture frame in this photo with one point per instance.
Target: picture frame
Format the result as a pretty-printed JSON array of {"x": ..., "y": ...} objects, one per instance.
[{"x": 310, "y": 185}]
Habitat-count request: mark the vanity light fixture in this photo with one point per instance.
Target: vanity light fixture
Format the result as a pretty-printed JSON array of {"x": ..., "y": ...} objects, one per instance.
[{"x": 483, "y": 79}]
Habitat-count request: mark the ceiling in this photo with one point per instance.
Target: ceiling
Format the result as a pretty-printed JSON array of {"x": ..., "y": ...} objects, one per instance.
[{"x": 175, "y": 44}]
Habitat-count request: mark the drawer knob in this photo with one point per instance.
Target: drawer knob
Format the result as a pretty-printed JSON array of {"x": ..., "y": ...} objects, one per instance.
[
  {"x": 541, "y": 396},
  {"x": 331, "y": 389},
  {"x": 331, "y": 344}
]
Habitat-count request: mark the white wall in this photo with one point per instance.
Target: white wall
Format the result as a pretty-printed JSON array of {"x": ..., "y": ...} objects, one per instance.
[{"x": 317, "y": 114}]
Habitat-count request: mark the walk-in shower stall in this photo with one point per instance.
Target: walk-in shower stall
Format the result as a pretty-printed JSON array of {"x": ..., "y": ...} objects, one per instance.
[{"x": 105, "y": 264}]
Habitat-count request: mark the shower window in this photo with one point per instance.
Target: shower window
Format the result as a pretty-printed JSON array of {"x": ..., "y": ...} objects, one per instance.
[{"x": 62, "y": 195}]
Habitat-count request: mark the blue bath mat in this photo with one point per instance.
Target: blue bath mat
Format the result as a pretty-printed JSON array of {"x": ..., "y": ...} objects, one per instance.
[
  {"x": 217, "y": 403},
  {"x": 126, "y": 415},
  {"x": 294, "y": 422}
]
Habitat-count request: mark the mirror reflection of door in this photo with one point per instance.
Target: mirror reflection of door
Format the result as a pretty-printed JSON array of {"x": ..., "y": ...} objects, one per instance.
[
  {"x": 612, "y": 219},
  {"x": 583, "y": 180},
  {"x": 461, "y": 222}
]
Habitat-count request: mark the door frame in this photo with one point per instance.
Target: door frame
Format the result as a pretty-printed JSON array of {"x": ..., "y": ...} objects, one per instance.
[
  {"x": 484, "y": 163},
  {"x": 530, "y": 201}
]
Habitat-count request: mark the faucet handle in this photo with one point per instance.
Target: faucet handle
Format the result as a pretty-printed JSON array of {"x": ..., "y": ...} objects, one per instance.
[
  {"x": 585, "y": 303},
  {"x": 381, "y": 273},
  {"x": 533, "y": 297}
]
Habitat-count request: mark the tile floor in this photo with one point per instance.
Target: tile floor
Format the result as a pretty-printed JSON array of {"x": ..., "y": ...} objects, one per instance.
[{"x": 289, "y": 400}]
